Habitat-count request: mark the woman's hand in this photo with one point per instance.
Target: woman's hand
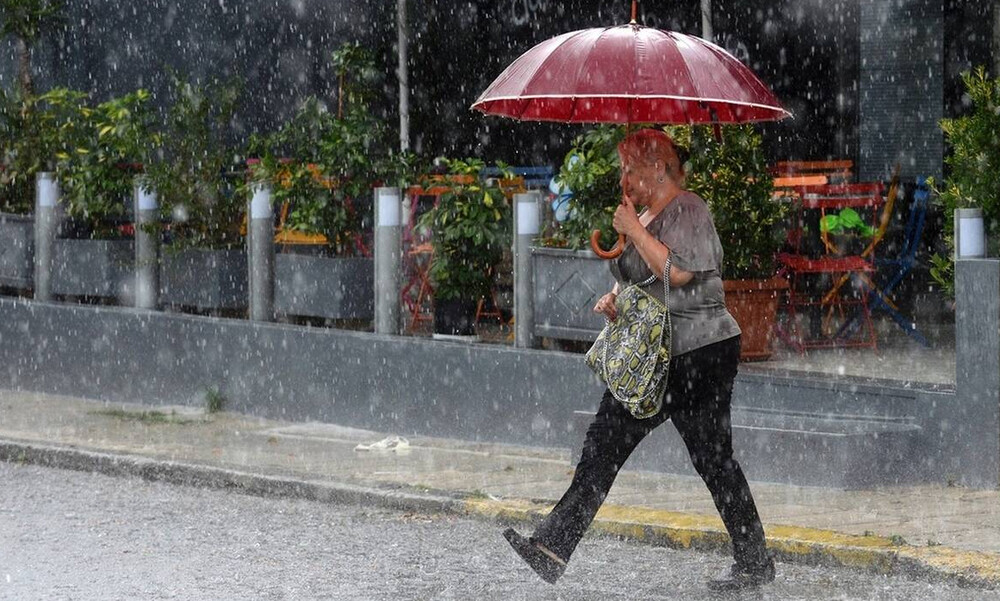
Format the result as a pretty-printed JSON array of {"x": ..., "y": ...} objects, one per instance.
[
  {"x": 606, "y": 306},
  {"x": 626, "y": 219}
]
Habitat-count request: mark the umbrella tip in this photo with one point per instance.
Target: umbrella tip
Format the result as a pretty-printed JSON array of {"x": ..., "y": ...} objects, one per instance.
[{"x": 634, "y": 8}]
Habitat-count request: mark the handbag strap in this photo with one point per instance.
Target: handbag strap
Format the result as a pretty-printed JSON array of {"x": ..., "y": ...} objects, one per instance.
[{"x": 666, "y": 283}]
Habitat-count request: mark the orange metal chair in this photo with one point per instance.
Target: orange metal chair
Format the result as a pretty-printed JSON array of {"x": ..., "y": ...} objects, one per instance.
[
  {"x": 839, "y": 171},
  {"x": 805, "y": 271},
  {"x": 418, "y": 293}
]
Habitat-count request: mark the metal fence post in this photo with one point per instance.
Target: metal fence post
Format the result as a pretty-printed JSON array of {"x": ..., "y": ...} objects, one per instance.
[
  {"x": 147, "y": 246},
  {"x": 46, "y": 225},
  {"x": 526, "y": 228},
  {"x": 388, "y": 259},
  {"x": 260, "y": 242}
]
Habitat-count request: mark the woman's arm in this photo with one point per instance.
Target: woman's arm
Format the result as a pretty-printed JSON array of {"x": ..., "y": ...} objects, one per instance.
[
  {"x": 652, "y": 251},
  {"x": 655, "y": 253},
  {"x": 606, "y": 304}
]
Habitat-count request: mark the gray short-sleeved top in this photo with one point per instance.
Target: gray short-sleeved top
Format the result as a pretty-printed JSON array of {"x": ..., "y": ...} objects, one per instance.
[{"x": 697, "y": 309}]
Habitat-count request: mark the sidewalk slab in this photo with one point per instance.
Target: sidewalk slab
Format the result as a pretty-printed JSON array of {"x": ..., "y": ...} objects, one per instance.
[{"x": 934, "y": 532}]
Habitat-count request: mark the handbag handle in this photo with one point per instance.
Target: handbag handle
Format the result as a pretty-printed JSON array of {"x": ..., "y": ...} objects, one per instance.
[{"x": 666, "y": 282}]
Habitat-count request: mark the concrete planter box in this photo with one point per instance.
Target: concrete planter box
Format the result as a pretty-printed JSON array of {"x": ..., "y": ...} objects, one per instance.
[
  {"x": 17, "y": 246},
  {"x": 329, "y": 287},
  {"x": 96, "y": 268},
  {"x": 204, "y": 279},
  {"x": 567, "y": 284}
]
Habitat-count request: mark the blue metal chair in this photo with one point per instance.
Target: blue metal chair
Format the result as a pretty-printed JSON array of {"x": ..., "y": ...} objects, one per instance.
[{"x": 896, "y": 268}]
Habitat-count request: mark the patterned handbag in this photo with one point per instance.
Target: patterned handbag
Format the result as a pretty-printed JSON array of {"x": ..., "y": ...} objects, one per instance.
[{"x": 632, "y": 353}]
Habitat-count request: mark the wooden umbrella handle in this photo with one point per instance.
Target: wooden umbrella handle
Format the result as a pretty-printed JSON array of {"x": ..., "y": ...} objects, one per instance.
[{"x": 616, "y": 250}]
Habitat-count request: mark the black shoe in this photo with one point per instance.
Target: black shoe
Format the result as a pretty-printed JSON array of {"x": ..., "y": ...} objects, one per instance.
[
  {"x": 740, "y": 577},
  {"x": 548, "y": 567}
]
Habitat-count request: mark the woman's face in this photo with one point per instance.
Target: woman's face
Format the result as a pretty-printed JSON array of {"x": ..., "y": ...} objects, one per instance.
[{"x": 640, "y": 178}]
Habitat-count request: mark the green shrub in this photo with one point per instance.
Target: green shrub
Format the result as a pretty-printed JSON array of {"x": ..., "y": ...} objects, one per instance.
[
  {"x": 112, "y": 142},
  {"x": 325, "y": 164},
  {"x": 34, "y": 131},
  {"x": 469, "y": 229},
  {"x": 189, "y": 172},
  {"x": 973, "y": 163}
]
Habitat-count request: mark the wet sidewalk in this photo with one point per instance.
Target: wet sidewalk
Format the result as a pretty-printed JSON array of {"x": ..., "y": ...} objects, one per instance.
[{"x": 935, "y": 531}]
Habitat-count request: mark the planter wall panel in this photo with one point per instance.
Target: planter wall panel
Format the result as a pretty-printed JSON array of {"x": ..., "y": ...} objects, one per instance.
[
  {"x": 96, "y": 268},
  {"x": 17, "y": 246},
  {"x": 334, "y": 288},
  {"x": 567, "y": 285},
  {"x": 204, "y": 279}
]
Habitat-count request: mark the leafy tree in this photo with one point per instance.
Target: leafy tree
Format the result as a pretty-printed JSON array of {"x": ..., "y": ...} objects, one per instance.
[{"x": 26, "y": 20}]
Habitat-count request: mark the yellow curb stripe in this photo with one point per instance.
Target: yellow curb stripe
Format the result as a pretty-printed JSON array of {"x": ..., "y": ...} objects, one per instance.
[{"x": 685, "y": 530}]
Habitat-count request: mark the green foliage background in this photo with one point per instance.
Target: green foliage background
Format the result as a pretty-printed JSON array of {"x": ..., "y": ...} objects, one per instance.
[
  {"x": 731, "y": 175},
  {"x": 591, "y": 171}
]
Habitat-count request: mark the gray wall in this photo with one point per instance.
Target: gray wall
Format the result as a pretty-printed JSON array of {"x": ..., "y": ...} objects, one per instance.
[
  {"x": 402, "y": 384},
  {"x": 970, "y": 428},
  {"x": 901, "y": 88},
  {"x": 786, "y": 425}
]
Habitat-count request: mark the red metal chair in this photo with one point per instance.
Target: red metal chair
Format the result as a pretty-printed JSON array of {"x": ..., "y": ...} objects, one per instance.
[{"x": 814, "y": 272}]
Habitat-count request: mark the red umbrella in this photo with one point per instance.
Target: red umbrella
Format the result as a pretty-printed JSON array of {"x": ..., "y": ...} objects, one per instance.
[{"x": 629, "y": 74}]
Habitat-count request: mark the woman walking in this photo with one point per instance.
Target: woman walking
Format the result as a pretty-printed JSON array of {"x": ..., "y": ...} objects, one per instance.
[{"x": 705, "y": 343}]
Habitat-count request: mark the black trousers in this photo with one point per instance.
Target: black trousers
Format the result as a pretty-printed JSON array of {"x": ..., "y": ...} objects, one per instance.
[{"x": 699, "y": 392}]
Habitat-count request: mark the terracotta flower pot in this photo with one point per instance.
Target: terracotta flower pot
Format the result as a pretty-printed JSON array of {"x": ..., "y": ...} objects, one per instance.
[{"x": 754, "y": 305}]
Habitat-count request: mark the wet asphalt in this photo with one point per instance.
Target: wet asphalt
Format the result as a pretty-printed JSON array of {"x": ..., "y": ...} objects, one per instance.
[{"x": 81, "y": 536}]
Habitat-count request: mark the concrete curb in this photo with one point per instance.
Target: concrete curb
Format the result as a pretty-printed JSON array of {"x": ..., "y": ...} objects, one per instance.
[
  {"x": 790, "y": 544},
  {"x": 189, "y": 474}
]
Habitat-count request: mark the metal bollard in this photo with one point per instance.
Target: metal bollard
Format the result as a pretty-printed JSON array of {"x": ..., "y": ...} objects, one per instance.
[
  {"x": 46, "y": 226},
  {"x": 147, "y": 246},
  {"x": 526, "y": 228},
  {"x": 388, "y": 259},
  {"x": 260, "y": 243}
]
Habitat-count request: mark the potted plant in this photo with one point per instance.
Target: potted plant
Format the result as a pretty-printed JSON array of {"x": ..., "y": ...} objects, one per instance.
[
  {"x": 204, "y": 264},
  {"x": 469, "y": 229},
  {"x": 33, "y": 130},
  {"x": 730, "y": 173},
  {"x": 973, "y": 163},
  {"x": 323, "y": 265},
  {"x": 94, "y": 256}
]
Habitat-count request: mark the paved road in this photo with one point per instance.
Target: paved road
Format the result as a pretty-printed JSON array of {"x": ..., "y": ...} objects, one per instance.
[{"x": 71, "y": 535}]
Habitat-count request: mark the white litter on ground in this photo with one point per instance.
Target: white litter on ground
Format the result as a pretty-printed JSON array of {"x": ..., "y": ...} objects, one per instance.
[{"x": 390, "y": 444}]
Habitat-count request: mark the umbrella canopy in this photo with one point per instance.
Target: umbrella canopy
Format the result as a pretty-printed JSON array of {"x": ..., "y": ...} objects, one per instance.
[{"x": 629, "y": 74}]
